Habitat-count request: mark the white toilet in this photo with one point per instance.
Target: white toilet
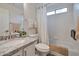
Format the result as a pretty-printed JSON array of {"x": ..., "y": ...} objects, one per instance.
[{"x": 42, "y": 49}]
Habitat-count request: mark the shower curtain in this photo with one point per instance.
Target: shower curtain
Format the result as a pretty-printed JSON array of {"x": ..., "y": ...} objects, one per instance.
[{"x": 42, "y": 24}]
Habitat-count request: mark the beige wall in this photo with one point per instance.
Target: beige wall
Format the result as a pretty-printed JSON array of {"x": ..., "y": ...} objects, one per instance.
[
  {"x": 30, "y": 17},
  {"x": 12, "y": 13},
  {"x": 4, "y": 20}
]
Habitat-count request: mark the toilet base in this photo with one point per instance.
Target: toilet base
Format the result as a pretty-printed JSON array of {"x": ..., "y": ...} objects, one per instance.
[{"x": 42, "y": 53}]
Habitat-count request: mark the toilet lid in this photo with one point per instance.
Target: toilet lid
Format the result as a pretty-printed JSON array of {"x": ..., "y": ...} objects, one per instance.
[{"x": 42, "y": 46}]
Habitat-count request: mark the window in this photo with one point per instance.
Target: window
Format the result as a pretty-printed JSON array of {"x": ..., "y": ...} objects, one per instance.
[
  {"x": 61, "y": 10},
  {"x": 50, "y": 13}
]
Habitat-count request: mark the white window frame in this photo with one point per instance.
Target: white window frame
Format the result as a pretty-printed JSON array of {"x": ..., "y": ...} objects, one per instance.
[
  {"x": 50, "y": 13},
  {"x": 58, "y": 11},
  {"x": 63, "y": 10}
]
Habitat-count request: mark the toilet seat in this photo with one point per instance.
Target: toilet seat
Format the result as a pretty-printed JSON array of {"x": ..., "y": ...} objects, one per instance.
[{"x": 42, "y": 47}]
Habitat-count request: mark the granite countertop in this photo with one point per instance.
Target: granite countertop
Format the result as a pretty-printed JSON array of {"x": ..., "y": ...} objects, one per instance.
[{"x": 8, "y": 46}]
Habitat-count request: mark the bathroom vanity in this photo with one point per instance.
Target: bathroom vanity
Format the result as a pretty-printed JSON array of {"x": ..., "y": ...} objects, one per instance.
[{"x": 18, "y": 47}]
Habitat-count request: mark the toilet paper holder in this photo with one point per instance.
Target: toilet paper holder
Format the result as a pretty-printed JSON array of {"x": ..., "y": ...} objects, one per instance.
[{"x": 73, "y": 33}]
